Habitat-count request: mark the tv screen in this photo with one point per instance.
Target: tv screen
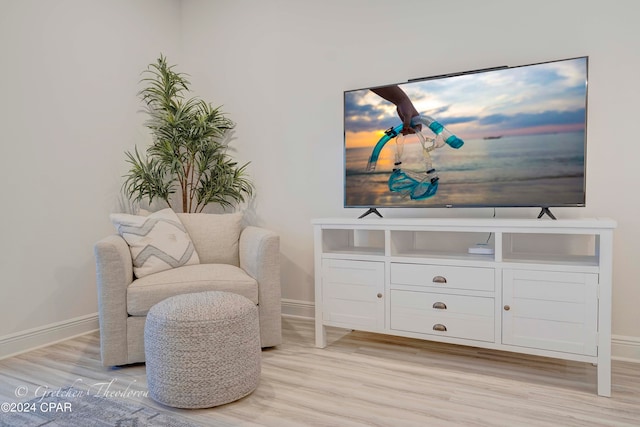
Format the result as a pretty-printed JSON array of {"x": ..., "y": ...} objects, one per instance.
[{"x": 502, "y": 137}]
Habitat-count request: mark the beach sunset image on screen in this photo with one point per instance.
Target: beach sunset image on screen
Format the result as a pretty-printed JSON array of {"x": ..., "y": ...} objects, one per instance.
[{"x": 524, "y": 133}]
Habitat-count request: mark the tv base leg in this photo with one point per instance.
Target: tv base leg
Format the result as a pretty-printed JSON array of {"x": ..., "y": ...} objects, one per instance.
[
  {"x": 370, "y": 211},
  {"x": 546, "y": 211}
]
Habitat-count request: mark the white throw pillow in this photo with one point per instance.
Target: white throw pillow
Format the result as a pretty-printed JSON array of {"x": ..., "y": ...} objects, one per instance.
[{"x": 157, "y": 242}]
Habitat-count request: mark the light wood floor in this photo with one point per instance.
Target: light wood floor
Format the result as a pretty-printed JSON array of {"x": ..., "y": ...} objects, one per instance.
[{"x": 364, "y": 379}]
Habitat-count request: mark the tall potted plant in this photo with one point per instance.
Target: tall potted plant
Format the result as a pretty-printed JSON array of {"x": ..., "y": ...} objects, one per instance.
[{"x": 188, "y": 152}]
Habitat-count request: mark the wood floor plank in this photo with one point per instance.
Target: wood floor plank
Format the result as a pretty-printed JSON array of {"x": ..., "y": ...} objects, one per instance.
[{"x": 361, "y": 379}]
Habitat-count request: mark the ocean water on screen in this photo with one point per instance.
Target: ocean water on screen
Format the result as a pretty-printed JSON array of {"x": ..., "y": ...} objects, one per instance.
[{"x": 511, "y": 170}]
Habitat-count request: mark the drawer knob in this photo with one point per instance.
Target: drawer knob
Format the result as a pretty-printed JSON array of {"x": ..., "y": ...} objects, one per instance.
[
  {"x": 439, "y": 327},
  {"x": 439, "y": 279},
  {"x": 379, "y": 295},
  {"x": 507, "y": 308},
  {"x": 440, "y": 305}
]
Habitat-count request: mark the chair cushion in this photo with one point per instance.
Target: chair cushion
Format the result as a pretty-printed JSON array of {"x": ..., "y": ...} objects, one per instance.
[
  {"x": 145, "y": 292},
  {"x": 215, "y": 236}
]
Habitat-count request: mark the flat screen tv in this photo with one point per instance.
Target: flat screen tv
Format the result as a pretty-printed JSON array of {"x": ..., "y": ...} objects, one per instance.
[{"x": 500, "y": 137}]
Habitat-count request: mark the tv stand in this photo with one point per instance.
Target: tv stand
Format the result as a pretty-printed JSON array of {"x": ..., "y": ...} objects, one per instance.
[
  {"x": 544, "y": 290},
  {"x": 546, "y": 211},
  {"x": 369, "y": 212}
]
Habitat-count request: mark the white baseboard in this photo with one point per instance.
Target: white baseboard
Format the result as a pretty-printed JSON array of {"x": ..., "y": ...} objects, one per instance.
[
  {"x": 625, "y": 348},
  {"x": 31, "y": 339},
  {"x": 297, "y": 308}
]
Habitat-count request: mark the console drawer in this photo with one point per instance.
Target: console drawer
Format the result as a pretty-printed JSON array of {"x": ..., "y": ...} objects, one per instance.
[
  {"x": 443, "y": 276},
  {"x": 458, "y": 316}
]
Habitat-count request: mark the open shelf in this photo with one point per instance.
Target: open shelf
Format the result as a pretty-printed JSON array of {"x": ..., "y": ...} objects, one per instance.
[
  {"x": 560, "y": 249},
  {"x": 439, "y": 244},
  {"x": 353, "y": 242}
]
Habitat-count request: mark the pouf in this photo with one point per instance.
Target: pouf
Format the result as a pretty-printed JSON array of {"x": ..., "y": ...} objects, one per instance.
[{"x": 202, "y": 349}]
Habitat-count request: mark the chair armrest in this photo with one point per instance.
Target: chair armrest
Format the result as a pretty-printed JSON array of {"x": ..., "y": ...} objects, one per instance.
[
  {"x": 259, "y": 251},
  {"x": 114, "y": 273}
]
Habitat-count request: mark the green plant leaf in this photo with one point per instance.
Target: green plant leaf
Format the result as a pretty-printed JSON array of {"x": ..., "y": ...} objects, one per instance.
[{"x": 186, "y": 151}]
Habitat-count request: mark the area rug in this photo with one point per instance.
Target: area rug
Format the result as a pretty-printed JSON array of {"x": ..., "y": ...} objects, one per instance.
[{"x": 70, "y": 407}]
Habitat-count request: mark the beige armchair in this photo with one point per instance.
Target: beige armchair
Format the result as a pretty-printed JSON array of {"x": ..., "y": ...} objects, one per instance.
[{"x": 243, "y": 261}]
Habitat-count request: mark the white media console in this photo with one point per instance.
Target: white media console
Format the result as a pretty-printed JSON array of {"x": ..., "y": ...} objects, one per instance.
[{"x": 545, "y": 290}]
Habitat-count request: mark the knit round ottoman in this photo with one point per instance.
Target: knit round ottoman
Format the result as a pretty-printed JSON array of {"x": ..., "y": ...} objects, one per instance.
[{"x": 202, "y": 349}]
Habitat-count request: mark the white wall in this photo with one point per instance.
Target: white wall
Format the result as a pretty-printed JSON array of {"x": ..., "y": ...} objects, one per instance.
[
  {"x": 280, "y": 67},
  {"x": 68, "y": 111}
]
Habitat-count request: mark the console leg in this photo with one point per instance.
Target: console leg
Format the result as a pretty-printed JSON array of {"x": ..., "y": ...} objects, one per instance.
[
  {"x": 604, "y": 376},
  {"x": 321, "y": 335}
]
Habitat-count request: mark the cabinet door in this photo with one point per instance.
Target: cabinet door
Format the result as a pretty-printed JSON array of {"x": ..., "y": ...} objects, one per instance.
[
  {"x": 550, "y": 310},
  {"x": 352, "y": 294}
]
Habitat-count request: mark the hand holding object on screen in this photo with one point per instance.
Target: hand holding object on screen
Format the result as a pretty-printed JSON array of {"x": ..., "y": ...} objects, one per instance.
[{"x": 404, "y": 106}]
